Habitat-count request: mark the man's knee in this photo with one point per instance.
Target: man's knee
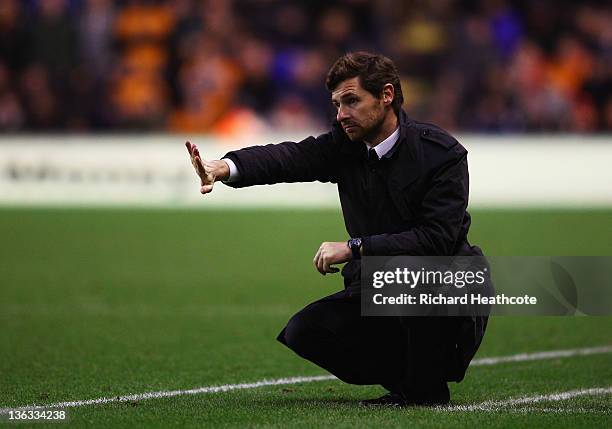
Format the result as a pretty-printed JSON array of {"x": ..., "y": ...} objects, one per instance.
[{"x": 298, "y": 334}]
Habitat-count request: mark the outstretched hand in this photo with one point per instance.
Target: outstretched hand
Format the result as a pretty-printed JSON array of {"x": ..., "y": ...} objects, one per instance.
[
  {"x": 331, "y": 253},
  {"x": 204, "y": 169}
]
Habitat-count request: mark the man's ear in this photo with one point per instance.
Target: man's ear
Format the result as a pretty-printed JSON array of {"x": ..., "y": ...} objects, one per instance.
[{"x": 388, "y": 94}]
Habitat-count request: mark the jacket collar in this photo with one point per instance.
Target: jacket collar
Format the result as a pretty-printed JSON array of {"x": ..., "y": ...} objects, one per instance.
[
  {"x": 404, "y": 167},
  {"x": 405, "y": 126}
]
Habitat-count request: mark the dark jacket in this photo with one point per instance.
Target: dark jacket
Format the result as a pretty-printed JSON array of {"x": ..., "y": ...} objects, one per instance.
[{"x": 412, "y": 202}]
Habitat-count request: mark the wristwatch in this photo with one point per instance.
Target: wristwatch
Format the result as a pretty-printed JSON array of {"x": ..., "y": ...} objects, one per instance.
[{"x": 355, "y": 245}]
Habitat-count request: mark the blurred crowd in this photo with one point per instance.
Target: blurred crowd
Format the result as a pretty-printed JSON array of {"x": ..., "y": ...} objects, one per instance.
[{"x": 248, "y": 66}]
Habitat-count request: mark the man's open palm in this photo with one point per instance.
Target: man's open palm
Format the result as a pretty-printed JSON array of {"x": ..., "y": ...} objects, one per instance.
[{"x": 202, "y": 168}]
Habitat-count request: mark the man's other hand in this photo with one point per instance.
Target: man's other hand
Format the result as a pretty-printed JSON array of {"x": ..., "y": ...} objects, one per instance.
[
  {"x": 208, "y": 171},
  {"x": 331, "y": 253}
]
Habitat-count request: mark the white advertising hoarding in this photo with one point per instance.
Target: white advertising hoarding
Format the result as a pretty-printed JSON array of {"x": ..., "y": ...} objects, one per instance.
[{"x": 505, "y": 171}]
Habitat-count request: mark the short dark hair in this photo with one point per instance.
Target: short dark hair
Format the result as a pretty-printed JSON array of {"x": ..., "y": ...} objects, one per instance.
[{"x": 374, "y": 72}]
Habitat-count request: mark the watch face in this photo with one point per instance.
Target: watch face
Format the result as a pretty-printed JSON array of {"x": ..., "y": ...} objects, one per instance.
[{"x": 355, "y": 244}]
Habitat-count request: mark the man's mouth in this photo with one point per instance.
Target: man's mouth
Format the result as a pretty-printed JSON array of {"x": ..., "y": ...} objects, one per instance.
[{"x": 348, "y": 128}]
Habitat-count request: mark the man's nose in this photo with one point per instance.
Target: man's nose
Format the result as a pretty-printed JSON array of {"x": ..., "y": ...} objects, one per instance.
[{"x": 341, "y": 115}]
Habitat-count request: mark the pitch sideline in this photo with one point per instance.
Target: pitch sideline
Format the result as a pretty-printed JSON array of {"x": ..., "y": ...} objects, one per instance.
[
  {"x": 512, "y": 403},
  {"x": 522, "y": 357}
]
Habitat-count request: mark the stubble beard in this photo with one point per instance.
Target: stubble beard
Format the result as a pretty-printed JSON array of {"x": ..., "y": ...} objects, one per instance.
[{"x": 372, "y": 132}]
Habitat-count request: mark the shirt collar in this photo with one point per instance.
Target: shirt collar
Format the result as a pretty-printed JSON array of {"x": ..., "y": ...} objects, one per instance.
[{"x": 385, "y": 146}]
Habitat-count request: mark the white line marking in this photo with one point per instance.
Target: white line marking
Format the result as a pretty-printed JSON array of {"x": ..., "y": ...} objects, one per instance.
[
  {"x": 513, "y": 403},
  {"x": 171, "y": 393},
  {"x": 558, "y": 410},
  {"x": 523, "y": 357},
  {"x": 294, "y": 380}
]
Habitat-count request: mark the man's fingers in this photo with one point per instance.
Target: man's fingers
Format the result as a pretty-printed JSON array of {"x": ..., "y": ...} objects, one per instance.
[
  {"x": 199, "y": 165},
  {"x": 206, "y": 180},
  {"x": 327, "y": 268},
  {"x": 194, "y": 152},
  {"x": 194, "y": 156},
  {"x": 323, "y": 264},
  {"x": 317, "y": 261},
  {"x": 189, "y": 147},
  {"x": 323, "y": 260}
]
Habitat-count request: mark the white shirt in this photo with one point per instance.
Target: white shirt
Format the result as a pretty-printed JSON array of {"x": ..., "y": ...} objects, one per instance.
[
  {"x": 381, "y": 149},
  {"x": 385, "y": 146}
]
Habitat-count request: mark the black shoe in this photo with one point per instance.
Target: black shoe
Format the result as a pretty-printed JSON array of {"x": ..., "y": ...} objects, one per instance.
[
  {"x": 434, "y": 398},
  {"x": 428, "y": 401},
  {"x": 430, "y": 397},
  {"x": 388, "y": 400}
]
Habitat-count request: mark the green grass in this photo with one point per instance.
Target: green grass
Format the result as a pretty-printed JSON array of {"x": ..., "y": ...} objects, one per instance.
[{"x": 108, "y": 302}]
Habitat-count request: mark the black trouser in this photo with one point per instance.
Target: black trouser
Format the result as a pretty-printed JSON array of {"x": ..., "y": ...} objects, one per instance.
[{"x": 406, "y": 355}]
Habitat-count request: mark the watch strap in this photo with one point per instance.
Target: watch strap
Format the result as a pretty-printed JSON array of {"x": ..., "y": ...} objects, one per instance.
[{"x": 355, "y": 245}]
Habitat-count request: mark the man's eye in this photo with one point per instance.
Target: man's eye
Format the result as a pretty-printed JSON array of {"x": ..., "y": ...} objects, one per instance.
[{"x": 352, "y": 101}]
